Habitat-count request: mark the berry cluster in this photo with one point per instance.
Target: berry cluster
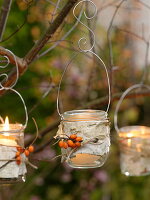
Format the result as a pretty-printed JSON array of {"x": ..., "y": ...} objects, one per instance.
[
  {"x": 72, "y": 141},
  {"x": 21, "y": 150}
]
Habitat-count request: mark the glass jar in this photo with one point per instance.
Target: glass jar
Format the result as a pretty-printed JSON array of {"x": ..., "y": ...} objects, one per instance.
[
  {"x": 10, "y": 171},
  {"x": 135, "y": 150},
  {"x": 94, "y": 128}
]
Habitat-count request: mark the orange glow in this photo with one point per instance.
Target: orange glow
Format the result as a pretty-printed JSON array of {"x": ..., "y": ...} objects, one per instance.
[
  {"x": 138, "y": 147},
  {"x": 129, "y": 142}
]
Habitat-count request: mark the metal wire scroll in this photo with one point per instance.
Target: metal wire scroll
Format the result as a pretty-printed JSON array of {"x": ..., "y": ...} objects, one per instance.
[
  {"x": 141, "y": 85},
  {"x": 83, "y": 42},
  {"x": 13, "y": 84}
]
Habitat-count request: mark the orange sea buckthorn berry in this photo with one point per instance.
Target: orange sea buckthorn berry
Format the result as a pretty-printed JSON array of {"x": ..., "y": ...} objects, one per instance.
[
  {"x": 20, "y": 149},
  {"x": 61, "y": 144},
  {"x": 18, "y": 158},
  {"x": 17, "y": 153},
  {"x": 70, "y": 143},
  {"x": 65, "y": 145},
  {"x": 18, "y": 162},
  {"x": 73, "y": 136},
  {"x": 31, "y": 149},
  {"x": 78, "y": 144},
  {"x": 74, "y": 145},
  {"x": 26, "y": 152},
  {"x": 79, "y": 139}
]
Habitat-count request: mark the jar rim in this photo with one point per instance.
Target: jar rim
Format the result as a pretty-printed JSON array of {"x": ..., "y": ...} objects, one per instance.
[
  {"x": 85, "y": 115},
  {"x": 135, "y": 130},
  {"x": 13, "y": 128}
]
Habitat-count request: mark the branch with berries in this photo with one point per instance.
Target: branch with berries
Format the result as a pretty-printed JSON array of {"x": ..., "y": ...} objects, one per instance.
[{"x": 73, "y": 141}]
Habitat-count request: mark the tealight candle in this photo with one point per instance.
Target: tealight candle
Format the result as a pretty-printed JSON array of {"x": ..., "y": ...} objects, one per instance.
[
  {"x": 11, "y": 136},
  {"x": 135, "y": 150},
  {"x": 93, "y": 127}
]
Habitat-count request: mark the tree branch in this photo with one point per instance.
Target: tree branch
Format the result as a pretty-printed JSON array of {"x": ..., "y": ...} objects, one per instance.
[
  {"x": 4, "y": 15},
  {"x": 31, "y": 55}
]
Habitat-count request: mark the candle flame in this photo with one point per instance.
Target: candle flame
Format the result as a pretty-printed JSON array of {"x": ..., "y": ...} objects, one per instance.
[{"x": 6, "y": 124}]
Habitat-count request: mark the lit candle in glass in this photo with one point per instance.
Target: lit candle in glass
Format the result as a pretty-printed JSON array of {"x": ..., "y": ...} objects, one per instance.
[
  {"x": 135, "y": 150},
  {"x": 6, "y": 139},
  {"x": 11, "y": 137}
]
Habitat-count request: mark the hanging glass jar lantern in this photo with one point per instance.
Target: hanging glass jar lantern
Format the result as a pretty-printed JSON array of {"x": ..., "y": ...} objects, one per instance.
[
  {"x": 12, "y": 156},
  {"x": 134, "y": 142},
  {"x": 89, "y": 131},
  {"x": 11, "y": 140},
  {"x": 84, "y": 135}
]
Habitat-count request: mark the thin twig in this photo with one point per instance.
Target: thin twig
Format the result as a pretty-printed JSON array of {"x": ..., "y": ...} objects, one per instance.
[
  {"x": 12, "y": 34},
  {"x": 144, "y": 4},
  {"x": 109, "y": 33},
  {"x": 111, "y": 59},
  {"x": 63, "y": 38},
  {"x": 55, "y": 10},
  {"x": 4, "y": 16},
  {"x": 31, "y": 55},
  {"x": 52, "y": 86},
  {"x": 145, "y": 72},
  {"x": 37, "y": 132}
]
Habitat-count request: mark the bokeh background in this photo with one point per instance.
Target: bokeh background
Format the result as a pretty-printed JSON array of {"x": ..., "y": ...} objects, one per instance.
[{"x": 84, "y": 86}]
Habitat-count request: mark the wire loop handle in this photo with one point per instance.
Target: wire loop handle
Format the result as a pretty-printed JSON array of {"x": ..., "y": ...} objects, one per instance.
[
  {"x": 64, "y": 72},
  {"x": 13, "y": 85},
  {"x": 83, "y": 41},
  {"x": 121, "y": 100}
]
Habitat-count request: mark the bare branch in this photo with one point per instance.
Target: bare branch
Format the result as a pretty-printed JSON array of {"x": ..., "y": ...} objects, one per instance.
[
  {"x": 144, "y": 4},
  {"x": 55, "y": 10},
  {"x": 44, "y": 132},
  {"x": 51, "y": 2},
  {"x": 12, "y": 34},
  {"x": 4, "y": 15},
  {"x": 109, "y": 33},
  {"x": 147, "y": 43},
  {"x": 63, "y": 38},
  {"x": 133, "y": 34},
  {"x": 31, "y": 55}
]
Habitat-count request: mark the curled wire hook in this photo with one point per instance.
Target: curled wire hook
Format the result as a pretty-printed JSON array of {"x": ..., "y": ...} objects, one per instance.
[
  {"x": 11, "y": 87},
  {"x": 83, "y": 40},
  {"x": 4, "y": 74},
  {"x": 8, "y": 61}
]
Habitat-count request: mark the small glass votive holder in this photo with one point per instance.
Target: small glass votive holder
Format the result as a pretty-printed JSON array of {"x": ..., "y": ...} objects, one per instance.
[
  {"x": 94, "y": 128},
  {"x": 134, "y": 142},
  {"x": 10, "y": 141}
]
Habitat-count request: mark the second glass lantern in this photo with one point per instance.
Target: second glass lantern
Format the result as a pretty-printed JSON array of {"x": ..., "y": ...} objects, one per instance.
[{"x": 134, "y": 142}]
